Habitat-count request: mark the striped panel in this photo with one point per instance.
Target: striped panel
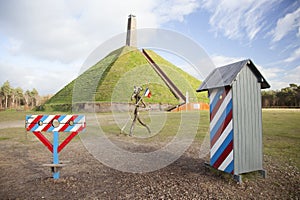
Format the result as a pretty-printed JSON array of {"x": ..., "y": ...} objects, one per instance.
[
  {"x": 221, "y": 129},
  {"x": 45, "y": 123}
]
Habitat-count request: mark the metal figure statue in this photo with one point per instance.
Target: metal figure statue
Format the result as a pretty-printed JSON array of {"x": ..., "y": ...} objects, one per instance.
[{"x": 138, "y": 100}]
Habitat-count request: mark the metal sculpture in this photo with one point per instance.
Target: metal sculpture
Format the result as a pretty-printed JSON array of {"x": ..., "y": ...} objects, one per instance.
[{"x": 138, "y": 101}]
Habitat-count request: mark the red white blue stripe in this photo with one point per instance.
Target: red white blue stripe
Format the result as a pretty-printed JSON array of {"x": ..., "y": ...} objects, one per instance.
[
  {"x": 147, "y": 93},
  {"x": 221, "y": 129},
  {"x": 44, "y": 123}
]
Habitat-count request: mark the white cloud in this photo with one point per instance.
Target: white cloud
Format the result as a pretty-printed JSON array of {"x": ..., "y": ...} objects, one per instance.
[
  {"x": 270, "y": 73},
  {"x": 56, "y": 36},
  {"x": 175, "y": 9},
  {"x": 286, "y": 24},
  {"x": 293, "y": 76},
  {"x": 294, "y": 56},
  {"x": 277, "y": 77},
  {"x": 47, "y": 80},
  {"x": 280, "y": 78},
  {"x": 220, "y": 60},
  {"x": 67, "y": 30},
  {"x": 238, "y": 19}
]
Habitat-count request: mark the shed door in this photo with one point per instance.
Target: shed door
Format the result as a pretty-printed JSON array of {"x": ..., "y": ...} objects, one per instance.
[{"x": 221, "y": 129}]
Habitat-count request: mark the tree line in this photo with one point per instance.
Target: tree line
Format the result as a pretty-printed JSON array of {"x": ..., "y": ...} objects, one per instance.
[
  {"x": 16, "y": 98},
  {"x": 285, "y": 97}
]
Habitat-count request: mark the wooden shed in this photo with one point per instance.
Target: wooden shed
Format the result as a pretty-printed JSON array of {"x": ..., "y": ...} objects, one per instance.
[{"x": 235, "y": 117}]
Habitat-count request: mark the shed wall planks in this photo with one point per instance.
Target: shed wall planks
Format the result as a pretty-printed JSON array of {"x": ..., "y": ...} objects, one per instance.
[{"x": 247, "y": 122}]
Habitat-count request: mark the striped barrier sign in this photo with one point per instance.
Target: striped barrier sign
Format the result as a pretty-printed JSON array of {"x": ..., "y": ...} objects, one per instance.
[
  {"x": 55, "y": 124},
  {"x": 52, "y": 123},
  {"x": 221, "y": 130}
]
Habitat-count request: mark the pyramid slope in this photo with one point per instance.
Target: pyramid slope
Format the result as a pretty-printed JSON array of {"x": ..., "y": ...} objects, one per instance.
[
  {"x": 112, "y": 80},
  {"x": 84, "y": 81}
]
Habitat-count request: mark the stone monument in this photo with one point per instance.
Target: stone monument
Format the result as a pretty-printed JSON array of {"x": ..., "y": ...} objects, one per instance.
[{"x": 131, "y": 31}]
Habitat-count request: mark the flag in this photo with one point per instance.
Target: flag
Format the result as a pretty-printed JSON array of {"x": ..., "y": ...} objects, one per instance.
[{"x": 147, "y": 93}]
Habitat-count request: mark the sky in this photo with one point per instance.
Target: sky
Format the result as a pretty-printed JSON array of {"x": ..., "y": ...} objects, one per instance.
[{"x": 43, "y": 43}]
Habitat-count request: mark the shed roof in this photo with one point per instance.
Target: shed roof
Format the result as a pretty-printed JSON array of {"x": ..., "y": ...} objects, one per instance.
[{"x": 225, "y": 76}]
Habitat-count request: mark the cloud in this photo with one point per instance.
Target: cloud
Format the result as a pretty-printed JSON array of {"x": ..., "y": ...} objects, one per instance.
[
  {"x": 277, "y": 77},
  {"x": 29, "y": 75},
  {"x": 56, "y": 36},
  {"x": 220, "y": 60},
  {"x": 294, "y": 56},
  {"x": 68, "y": 30},
  {"x": 293, "y": 76},
  {"x": 286, "y": 24},
  {"x": 175, "y": 9},
  {"x": 238, "y": 19},
  {"x": 270, "y": 73},
  {"x": 280, "y": 78}
]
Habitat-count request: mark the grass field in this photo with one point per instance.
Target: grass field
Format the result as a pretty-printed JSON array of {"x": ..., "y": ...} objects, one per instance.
[
  {"x": 281, "y": 135},
  {"x": 281, "y": 131}
]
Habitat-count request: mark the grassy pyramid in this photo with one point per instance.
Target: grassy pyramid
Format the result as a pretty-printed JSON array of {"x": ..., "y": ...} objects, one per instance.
[{"x": 112, "y": 80}]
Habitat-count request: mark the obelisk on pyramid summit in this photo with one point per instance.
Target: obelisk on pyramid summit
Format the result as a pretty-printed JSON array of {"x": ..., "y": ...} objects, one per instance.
[{"x": 131, "y": 31}]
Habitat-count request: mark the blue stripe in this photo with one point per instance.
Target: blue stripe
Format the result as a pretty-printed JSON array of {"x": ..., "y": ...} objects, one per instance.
[
  {"x": 216, "y": 99},
  {"x": 28, "y": 117},
  {"x": 69, "y": 128},
  {"x": 61, "y": 118},
  {"x": 221, "y": 119},
  {"x": 229, "y": 168},
  {"x": 44, "y": 118},
  {"x": 78, "y": 119},
  {"x": 146, "y": 91},
  {"x": 35, "y": 127},
  {"x": 50, "y": 129},
  {"x": 223, "y": 146}
]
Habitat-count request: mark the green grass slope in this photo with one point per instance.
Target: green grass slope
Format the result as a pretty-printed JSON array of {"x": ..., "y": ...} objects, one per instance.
[{"x": 112, "y": 80}]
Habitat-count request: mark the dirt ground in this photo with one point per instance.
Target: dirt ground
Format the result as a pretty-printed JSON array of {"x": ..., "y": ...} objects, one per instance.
[{"x": 22, "y": 176}]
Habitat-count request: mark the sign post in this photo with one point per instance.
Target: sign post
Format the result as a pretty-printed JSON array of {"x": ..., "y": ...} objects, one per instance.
[{"x": 55, "y": 124}]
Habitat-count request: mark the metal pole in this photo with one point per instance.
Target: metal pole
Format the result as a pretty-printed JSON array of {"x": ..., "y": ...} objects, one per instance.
[{"x": 55, "y": 154}]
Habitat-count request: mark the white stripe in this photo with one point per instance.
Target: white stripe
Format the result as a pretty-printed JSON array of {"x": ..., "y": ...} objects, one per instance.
[
  {"x": 147, "y": 92},
  {"x": 220, "y": 110},
  {"x": 58, "y": 128},
  {"x": 49, "y": 119},
  {"x": 67, "y": 117},
  {"x": 221, "y": 139},
  {"x": 40, "y": 128},
  {"x": 45, "y": 122},
  {"x": 212, "y": 94},
  {"x": 226, "y": 162},
  {"x": 76, "y": 127},
  {"x": 31, "y": 119}
]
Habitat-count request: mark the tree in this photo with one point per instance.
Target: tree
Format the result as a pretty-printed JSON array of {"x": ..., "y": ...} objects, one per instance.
[
  {"x": 19, "y": 96},
  {"x": 1, "y": 98},
  {"x": 288, "y": 97},
  {"x": 27, "y": 97},
  {"x": 268, "y": 98},
  {"x": 34, "y": 95},
  {"x": 6, "y": 90}
]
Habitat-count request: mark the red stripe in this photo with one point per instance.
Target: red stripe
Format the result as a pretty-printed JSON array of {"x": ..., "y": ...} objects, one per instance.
[
  {"x": 67, "y": 123},
  {"x": 224, "y": 155},
  {"x": 34, "y": 122},
  {"x": 222, "y": 128},
  {"x": 218, "y": 104},
  {"x": 50, "y": 123},
  {"x": 44, "y": 140}
]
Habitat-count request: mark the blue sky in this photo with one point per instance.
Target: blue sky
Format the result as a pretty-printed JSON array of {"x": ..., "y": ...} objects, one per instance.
[{"x": 44, "y": 43}]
